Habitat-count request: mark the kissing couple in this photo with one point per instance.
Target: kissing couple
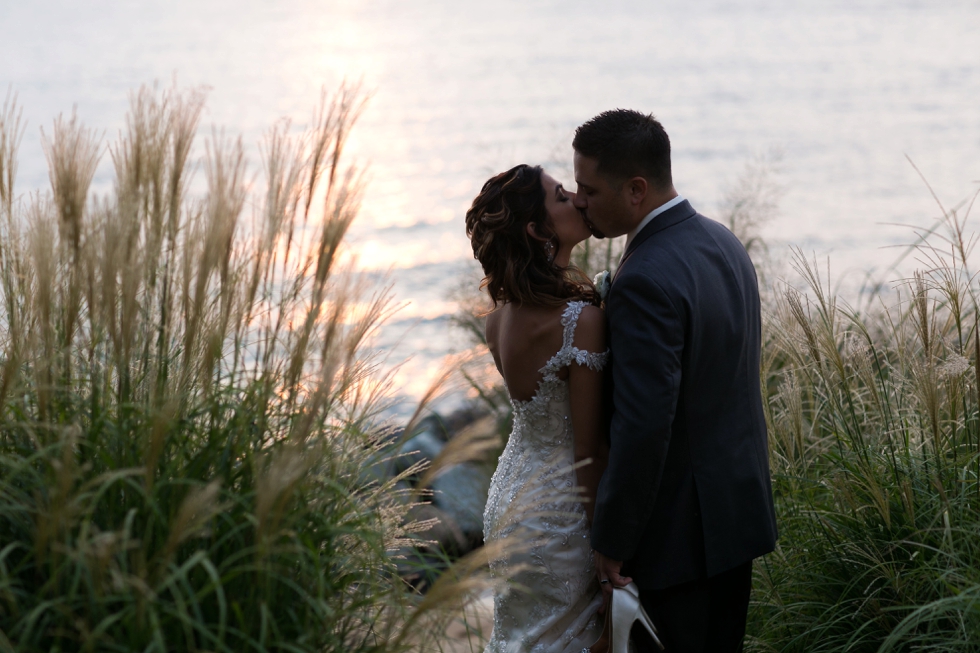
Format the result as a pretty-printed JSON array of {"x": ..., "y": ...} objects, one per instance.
[{"x": 645, "y": 398}]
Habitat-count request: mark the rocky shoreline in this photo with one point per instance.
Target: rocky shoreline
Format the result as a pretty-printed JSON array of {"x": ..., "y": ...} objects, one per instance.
[{"x": 450, "y": 501}]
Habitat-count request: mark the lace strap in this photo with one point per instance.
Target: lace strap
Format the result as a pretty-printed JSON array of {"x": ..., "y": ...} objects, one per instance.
[
  {"x": 569, "y": 320},
  {"x": 569, "y": 353}
]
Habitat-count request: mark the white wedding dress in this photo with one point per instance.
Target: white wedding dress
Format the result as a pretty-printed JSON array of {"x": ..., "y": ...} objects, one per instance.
[{"x": 551, "y": 601}]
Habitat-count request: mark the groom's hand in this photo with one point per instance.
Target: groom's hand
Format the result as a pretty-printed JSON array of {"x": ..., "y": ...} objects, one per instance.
[{"x": 608, "y": 569}]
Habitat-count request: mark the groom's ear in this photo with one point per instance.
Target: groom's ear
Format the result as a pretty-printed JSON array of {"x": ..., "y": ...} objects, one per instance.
[{"x": 637, "y": 189}]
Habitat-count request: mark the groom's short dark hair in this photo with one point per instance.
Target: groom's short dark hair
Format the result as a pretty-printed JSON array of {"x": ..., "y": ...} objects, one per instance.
[{"x": 627, "y": 144}]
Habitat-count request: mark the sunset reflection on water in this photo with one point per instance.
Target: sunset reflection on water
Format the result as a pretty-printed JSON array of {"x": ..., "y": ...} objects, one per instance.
[{"x": 460, "y": 91}]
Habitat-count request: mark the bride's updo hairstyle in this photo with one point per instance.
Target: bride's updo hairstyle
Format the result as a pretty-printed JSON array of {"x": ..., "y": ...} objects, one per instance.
[{"x": 516, "y": 266}]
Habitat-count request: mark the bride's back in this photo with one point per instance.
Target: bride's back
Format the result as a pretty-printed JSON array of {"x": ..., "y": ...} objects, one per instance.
[{"x": 522, "y": 340}]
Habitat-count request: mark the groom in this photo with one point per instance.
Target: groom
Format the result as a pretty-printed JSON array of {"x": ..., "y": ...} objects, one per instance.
[{"x": 685, "y": 503}]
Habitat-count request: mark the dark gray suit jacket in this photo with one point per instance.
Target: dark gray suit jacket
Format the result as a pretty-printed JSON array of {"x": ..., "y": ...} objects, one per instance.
[{"x": 687, "y": 492}]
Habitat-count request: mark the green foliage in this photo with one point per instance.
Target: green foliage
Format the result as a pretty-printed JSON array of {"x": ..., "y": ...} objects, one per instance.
[
  {"x": 185, "y": 411},
  {"x": 875, "y": 450},
  {"x": 593, "y": 256}
]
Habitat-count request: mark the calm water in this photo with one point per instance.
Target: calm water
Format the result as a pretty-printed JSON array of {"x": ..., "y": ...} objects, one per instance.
[{"x": 845, "y": 90}]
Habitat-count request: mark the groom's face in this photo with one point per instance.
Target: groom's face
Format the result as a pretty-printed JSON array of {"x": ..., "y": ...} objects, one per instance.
[{"x": 606, "y": 206}]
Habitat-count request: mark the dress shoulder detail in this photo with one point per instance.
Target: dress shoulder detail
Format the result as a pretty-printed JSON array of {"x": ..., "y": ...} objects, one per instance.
[{"x": 569, "y": 353}]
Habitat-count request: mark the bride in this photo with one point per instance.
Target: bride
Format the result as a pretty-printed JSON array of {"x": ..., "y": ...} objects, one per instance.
[{"x": 547, "y": 336}]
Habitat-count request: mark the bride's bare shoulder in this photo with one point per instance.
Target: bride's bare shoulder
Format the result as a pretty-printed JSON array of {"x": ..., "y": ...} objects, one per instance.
[
  {"x": 491, "y": 331},
  {"x": 491, "y": 322},
  {"x": 522, "y": 330},
  {"x": 592, "y": 315}
]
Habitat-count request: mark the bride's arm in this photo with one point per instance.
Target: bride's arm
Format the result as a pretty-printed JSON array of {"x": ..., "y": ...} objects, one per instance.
[{"x": 585, "y": 388}]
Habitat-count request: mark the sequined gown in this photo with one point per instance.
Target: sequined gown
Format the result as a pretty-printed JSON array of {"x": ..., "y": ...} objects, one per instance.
[{"x": 551, "y": 603}]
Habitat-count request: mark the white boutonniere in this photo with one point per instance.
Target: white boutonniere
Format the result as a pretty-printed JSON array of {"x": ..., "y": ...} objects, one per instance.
[{"x": 602, "y": 283}]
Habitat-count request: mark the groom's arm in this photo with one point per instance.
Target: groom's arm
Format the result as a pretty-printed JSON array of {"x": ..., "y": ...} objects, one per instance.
[{"x": 647, "y": 340}]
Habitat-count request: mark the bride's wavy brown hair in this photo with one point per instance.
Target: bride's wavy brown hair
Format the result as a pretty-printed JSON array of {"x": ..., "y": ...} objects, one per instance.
[{"x": 515, "y": 265}]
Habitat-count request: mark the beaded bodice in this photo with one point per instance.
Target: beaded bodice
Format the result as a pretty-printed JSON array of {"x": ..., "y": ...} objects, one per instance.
[{"x": 533, "y": 505}]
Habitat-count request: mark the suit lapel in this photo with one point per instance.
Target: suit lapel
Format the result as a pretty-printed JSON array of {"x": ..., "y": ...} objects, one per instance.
[{"x": 668, "y": 218}]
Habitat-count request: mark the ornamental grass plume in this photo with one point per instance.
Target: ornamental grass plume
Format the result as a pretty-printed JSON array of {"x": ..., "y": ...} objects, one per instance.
[
  {"x": 874, "y": 421},
  {"x": 187, "y": 405}
]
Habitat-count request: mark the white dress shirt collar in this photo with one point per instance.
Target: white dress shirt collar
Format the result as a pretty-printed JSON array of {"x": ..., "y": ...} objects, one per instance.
[{"x": 650, "y": 216}]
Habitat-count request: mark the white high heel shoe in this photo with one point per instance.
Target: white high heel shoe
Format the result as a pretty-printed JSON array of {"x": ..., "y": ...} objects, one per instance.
[{"x": 625, "y": 611}]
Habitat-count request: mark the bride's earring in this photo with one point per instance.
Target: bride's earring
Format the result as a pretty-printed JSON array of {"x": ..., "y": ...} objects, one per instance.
[{"x": 549, "y": 251}]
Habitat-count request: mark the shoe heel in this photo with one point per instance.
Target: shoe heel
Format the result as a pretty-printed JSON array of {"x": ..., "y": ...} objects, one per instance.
[
  {"x": 647, "y": 622},
  {"x": 625, "y": 610}
]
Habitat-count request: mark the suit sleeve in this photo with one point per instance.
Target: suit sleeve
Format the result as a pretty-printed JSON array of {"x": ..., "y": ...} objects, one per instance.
[{"x": 647, "y": 340}]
